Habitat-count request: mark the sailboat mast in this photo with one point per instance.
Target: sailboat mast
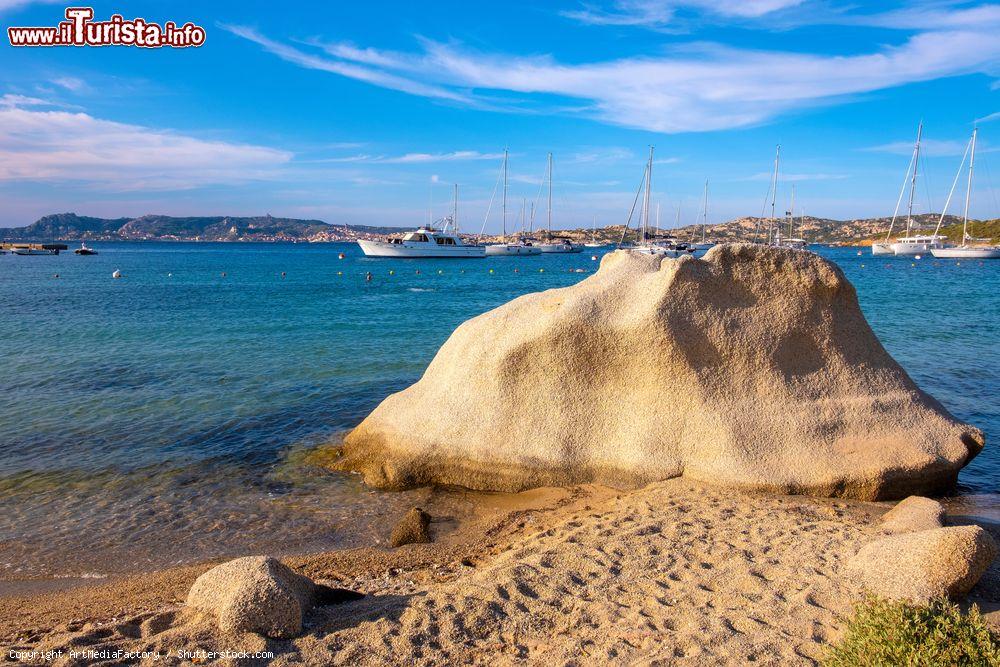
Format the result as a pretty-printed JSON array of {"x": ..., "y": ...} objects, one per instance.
[
  {"x": 505, "y": 195},
  {"x": 549, "y": 213},
  {"x": 704, "y": 219},
  {"x": 454, "y": 211},
  {"x": 913, "y": 179},
  {"x": 791, "y": 214},
  {"x": 774, "y": 192},
  {"x": 968, "y": 189},
  {"x": 645, "y": 198}
]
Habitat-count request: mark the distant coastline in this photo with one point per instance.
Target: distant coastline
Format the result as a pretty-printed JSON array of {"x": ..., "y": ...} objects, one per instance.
[{"x": 270, "y": 229}]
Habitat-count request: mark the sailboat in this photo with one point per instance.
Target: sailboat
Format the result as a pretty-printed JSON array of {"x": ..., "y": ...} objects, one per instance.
[
  {"x": 426, "y": 241},
  {"x": 703, "y": 244},
  {"x": 594, "y": 243},
  {"x": 965, "y": 251},
  {"x": 884, "y": 248},
  {"x": 648, "y": 243},
  {"x": 789, "y": 241},
  {"x": 519, "y": 247},
  {"x": 558, "y": 244},
  {"x": 773, "y": 193},
  {"x": 918, "y": 243}
]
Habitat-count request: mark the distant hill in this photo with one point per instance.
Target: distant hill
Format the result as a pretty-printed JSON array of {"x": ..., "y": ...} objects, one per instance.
[
  {"x": 860, "y": 231},
  {"x": 70, "y": 226}
]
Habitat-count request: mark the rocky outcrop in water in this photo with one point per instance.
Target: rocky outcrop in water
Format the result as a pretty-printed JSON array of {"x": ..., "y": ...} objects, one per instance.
[{"x": 753, "y": 367}]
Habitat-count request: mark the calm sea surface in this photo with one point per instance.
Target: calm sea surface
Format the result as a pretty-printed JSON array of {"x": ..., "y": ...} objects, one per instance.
[{"x": 166, "y": 417}]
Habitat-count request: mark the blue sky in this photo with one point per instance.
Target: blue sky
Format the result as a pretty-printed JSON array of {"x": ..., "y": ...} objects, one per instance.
[{"x": 367, "y": 113}]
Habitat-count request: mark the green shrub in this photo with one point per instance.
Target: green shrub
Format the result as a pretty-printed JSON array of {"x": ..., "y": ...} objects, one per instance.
[{"x": 898, "y": 633}]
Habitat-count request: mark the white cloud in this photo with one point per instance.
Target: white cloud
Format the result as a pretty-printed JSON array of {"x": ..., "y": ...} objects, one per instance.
[
  {"x": 46, "y": 145},
  {"x": 11, "y": 100},
  {"x": 931, "y": 17},
  {"x": 9, "y": 5},
  {"x": 767, "y": 176},
  {"x": 70, "y": 83},
  {"x": 988, "y": 118},
  {"x": 415, "y": 158},
  {"x": 694, "y": 88},
  {"x": 928, "y": 147},
  {"x": 411, "y": 158},
  {"x": 660, "y": 13},
  {"x": 343, "y": 68}
]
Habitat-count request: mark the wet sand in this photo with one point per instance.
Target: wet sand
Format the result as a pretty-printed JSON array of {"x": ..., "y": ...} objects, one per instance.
[{"x": 676, "y": 572}]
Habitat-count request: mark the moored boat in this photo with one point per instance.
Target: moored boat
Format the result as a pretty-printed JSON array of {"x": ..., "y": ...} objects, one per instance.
[
  {"x": 426, "y": 242},
  {"x": 965, "y": 251},
  {"x": 553, "y": 244},
  {"x": 31, "y": 249},
  {"x": 423, "y": 242},
  {"x": 84, "y": 250},
  {"x": 919, "y": 244},
  {"x": 519, "y": 247},
  {"x": 650, "y": 242}
]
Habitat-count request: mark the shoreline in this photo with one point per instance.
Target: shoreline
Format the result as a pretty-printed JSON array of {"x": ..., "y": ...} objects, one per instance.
[{"x": 719, "y": 574}]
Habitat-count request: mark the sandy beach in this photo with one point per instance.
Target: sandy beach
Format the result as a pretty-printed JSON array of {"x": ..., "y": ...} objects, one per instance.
[{"x": 673, "y": 573}]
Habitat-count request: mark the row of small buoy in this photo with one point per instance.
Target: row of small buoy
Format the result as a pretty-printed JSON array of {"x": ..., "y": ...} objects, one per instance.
[{"x": 368, "y": 275}]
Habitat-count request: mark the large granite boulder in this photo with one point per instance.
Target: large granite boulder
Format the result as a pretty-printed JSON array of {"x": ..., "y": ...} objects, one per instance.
[
  {"x": 928, "y": 564},
  {"x": 254, "y": 594},
  {"x": 752, "y": 367}
]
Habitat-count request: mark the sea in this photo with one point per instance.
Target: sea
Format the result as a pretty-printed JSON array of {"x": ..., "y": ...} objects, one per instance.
[{"x": 173, "y": 415}]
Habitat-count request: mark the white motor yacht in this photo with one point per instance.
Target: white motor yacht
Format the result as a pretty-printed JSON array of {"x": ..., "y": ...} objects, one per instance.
[{"x": 427, "y": 242}]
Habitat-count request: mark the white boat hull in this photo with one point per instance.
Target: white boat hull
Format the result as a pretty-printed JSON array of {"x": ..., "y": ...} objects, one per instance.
[
  {"x": 966, "y": 253},
  {"x": 33, "y": 251},
  {"x": 882, "y": 249},
  {"x": 420, "y": 250},
  {"x": 550, "y": 248},
  {"x": 512, "y": 250},
  {"x": 661, "y": 252},
  {"x": 910, "y": 249}
]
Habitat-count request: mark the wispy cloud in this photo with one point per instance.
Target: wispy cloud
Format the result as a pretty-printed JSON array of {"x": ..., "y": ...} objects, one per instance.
[
  {"x": 991, "y": 117},
  {"x": 791, "y": 177},
  {"x": 663, "y": 13},
  {"x": 11, "y": 100},
  {"x": 344, "y": 68},
  {"x": 928, "y": 147},
  {"x": 411, "y": 158},
  {"x": 10, "y": 5},
  {"x": 70, "y": 83},
  {"x": 698, "y": 87},
  {"x": 415, "y": 158},
  {"x": 929, "y": 16},
  {"x": 53, "y": 145}
]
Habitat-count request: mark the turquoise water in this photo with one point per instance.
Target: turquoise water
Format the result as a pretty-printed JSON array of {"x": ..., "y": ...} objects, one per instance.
[{"x": 163, "y": 417}]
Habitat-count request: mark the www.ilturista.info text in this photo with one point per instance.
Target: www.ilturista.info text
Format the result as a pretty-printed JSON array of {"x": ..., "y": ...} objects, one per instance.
[{"x": 79, "y": 29}]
